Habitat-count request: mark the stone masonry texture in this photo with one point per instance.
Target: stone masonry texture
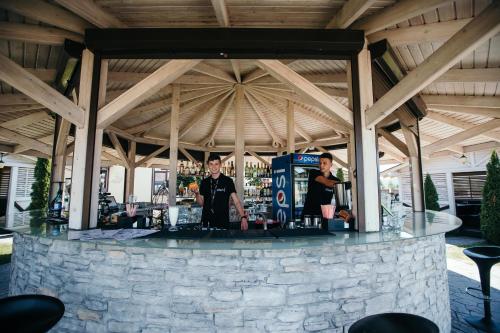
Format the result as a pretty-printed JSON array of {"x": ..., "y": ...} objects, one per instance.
[{"x": 111, "y": 288}]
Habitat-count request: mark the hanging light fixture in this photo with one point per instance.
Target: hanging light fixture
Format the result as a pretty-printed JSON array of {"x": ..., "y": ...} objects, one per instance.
[
  {"x": 463, "y": 159},
  {"x": 2, "y": 163}
]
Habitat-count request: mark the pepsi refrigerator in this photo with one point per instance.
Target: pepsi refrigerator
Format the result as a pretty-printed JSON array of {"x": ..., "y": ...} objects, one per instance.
[{"x": 290, "y": 178}]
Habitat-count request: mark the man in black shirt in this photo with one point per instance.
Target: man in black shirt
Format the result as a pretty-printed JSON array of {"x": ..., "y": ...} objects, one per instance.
[
  {"x": 214, "y": 195},
  {"x": 320, "y": 186}
]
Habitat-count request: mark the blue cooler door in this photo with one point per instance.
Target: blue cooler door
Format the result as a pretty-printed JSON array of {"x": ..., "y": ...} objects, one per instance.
[
  {"x": 302, "y": 164},
  {"x": 282, "y": 189}
]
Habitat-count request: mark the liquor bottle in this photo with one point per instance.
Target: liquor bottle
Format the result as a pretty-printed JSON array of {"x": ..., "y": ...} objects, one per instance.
[
  {"x": 246, "y": 169},
  {"x": 254, "y": 171},
  {"x": 56, "y": 204},
  {"x": 232, "y": 172},
  {"x": 192, "y": 170},
  {"x": 180, "y": 170}
]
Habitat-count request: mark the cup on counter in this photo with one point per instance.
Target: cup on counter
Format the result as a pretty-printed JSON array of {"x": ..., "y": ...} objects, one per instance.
[
  {"x": 307, "y": 221},
  {"x": 317, "y": 221},
  {"x": 291, "y": 225},
  {"x": 328, "y": 211}
]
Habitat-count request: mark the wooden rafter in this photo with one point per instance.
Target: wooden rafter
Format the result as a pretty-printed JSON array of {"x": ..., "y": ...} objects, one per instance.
[
  {"x": 259, "y": 72},
  {"x": 142, "y": 90},
  {"x": 25, "y": 120},
  {"x": 350, "y": 12},
  {"x": 91, "y": 12},
  {"x": 235, "y": 64},
  {"x": 419, "y": 34},
  {"x": 308, "y": 91},
  {"x": 27, "y": 83},
  {"x": 267, "y": 125},
  {"x": 152, "y": 155},
  {"x": 427, "y": 138},
  {"x": 480, "y": 29},
  {"x": 475, "y": 111},
  {"x": 209, "y": 140},
  {"x": 187, "y": 154},
  {"x": 221, "y": 12},
  {"x": 25, "y": 141},
  {"x": 119, "y": 149},
  {"x": 389, "y": 16},
  {"x": 282, "y": 113},
  {"x": 398, "y": 144},
  {"x": 36, "y": 34},
  {"x": 193, "y": 121},
  {"x": 462, "y": 136},
  {"x": 317, "y": 79},
  {"x": 45, "y": 12},
  {"x": 214, "y": 72},
  {"x": 459, "y": 124},
  {"x": 471, "y": 75},
  {"x": 482, "y": 146},
  {"x": 467, "y": 101}
]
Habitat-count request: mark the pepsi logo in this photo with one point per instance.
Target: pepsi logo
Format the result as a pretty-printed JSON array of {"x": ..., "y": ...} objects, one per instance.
[
  {"x": 301, "y": 157},
  {"x": 281, "y": 197}
]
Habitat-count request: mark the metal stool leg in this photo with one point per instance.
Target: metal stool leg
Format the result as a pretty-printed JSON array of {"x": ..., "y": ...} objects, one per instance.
[{"x": 485, "y": 323}]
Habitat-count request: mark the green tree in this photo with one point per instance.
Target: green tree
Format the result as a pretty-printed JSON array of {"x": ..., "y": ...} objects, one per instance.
[
  {"x": 431, "y": 195},
  {"x": 40, "y": 188},
  {"x": 340, "y": 174},
  {"x": 490, "y": 207}
]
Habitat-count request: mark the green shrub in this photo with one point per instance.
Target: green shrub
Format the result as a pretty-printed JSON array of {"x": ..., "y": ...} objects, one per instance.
[
  {"x": 40, "y": 188},
  {"x": 430, "y": 194},
  {"x": 490, "y": 206},
  {"x": 340, "y": 174}
]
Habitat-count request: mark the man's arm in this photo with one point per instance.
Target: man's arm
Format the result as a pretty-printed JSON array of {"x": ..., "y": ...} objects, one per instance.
[
  {"x": 199, "y": 198},
  {"x": 241, "y": 211},
  {"x": 327, "y": 182}
]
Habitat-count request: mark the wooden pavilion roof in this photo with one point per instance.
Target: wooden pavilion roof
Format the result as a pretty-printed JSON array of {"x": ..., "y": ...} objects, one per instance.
[{"x": 31, "y": 35}]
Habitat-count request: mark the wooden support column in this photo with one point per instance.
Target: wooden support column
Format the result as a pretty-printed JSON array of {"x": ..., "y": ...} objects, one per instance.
[
  {"x": 368, "y": 198},
  {"x": 290, "y": 128},
  {"x": 239, "y": 148},
  {"x": 174, "y": 143},
  {"x": 96, "y": 170},
  {"x": 59, "y": 154},
  {"x": 85, "y": 137},
  {"x": 417, "y": 184},
  {"x": 130, "y": 172}
]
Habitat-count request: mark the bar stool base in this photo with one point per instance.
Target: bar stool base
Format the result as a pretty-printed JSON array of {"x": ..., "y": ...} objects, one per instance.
[{"x": 483, "y": 324}]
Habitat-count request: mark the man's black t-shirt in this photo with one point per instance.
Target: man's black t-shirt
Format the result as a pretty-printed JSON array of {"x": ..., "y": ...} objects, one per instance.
[
  {"x": 216, "y": 193},
  {"x": 317, "y": 194}
]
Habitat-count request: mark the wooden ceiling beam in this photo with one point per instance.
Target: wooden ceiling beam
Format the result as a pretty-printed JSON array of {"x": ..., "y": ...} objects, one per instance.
[
  {"x": 458, "y": 123},
  {"x": 350, "y": 12},
  {"x": 493, "y": 145},
  {"x": 399, "y": 12},
  {"x": 152, "y": 155},
  {"x": 187, "y": 79},
  {"x": 267, "y": 125},
  {"x": 259, "y": 72},
  {"x": 142, "y": 90},
  {"x": 334, "y": 78},
  {"x": 221, "y": 13},
  {"x": 197, "y": 117},
  {"x": 398, "y": 144},
  {"x": 119, "y": 149},
  {"x": 45, "y": 12},
  {"x": 93, "y": 13},
  {"x": 25, "y": 120},
  {"x": 308, "y": 91},
  {"x": 35, "y": 34},
  {"x": 431, "y": 139},
  {"x": 467, "y": 101},
  {"x": 113, "y": 158},
  {"x": 214, "y": 72},
  {"x": 27, "y": 83},
  {"x": 321, "y": 118},
  {"x": 462, "y": 136},
  {"x": 25, "y": 141},
  {"x": 471, "y": 75},
  {"x": 15, "y": 99},
  {"x": 479, "y": 30},
  {"x": 419, "y": 34},
  {"x": 209, "y": 140},
  {"x": 235, "y": 64},
  {"x": 20, "y": 108},
  {"x": 254, "y": 154},
  {"x": 475, "y": 111}
]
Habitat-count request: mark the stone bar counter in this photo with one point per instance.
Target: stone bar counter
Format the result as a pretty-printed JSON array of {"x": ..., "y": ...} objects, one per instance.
[{"x": 285, "y": 284}]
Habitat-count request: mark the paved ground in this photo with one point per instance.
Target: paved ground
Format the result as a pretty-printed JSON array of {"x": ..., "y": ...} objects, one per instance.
[{"x": 462, "y": 273}]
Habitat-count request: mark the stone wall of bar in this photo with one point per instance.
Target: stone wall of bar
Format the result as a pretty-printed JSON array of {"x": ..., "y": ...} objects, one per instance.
[{"x": 108, "y": 288}]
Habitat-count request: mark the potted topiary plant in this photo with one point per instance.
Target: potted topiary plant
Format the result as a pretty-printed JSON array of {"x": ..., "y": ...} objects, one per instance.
[
  {"x": 430, "y": 194},
  {"x": 40, "y": 188},
  {"x": 490, "y": 206}
]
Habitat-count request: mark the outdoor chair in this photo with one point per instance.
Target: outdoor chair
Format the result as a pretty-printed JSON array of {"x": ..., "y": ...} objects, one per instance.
[
  {"x": 394, "y": 323},
  {"x": 30, "y": 313},
  {"x": 484, "y": 257}
]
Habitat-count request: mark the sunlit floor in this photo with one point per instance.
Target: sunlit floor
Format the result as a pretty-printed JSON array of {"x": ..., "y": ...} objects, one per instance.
[{"x": 462, "y": 273}]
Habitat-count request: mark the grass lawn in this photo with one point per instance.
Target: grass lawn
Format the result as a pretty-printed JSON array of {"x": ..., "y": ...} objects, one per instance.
[{"x": 5, "y": 252}]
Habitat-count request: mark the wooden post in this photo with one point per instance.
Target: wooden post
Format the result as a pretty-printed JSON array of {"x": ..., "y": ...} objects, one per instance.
[
  {"x": 290, "y": 128},
  {"x": 239, "y": 148},
  {"x": 85, "y": 136},
  {"x": 96, "y": 171},
  {"x": 415, "y": 169},
  {"x": 174, "y": 143},
  {"x": 368, "y": 201},
  {"x": 129, "y": 182},
  {"x": 59, "y": 154}
]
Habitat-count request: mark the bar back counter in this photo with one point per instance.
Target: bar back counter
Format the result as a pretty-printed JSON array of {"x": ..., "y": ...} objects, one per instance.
[{"x": 237, "y": 285}]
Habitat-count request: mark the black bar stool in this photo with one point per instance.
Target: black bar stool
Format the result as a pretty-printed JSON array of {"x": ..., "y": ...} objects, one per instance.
[
  {"x": 484, "y": 257},
  {"x": 29, "y": 313},
  {"x": 394, "y": 323}
]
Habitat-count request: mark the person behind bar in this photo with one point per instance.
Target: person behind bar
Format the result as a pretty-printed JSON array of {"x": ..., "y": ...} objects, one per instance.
[
  {"x": 320, "y": 187},
  {"x": 214, "y": 195}
]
